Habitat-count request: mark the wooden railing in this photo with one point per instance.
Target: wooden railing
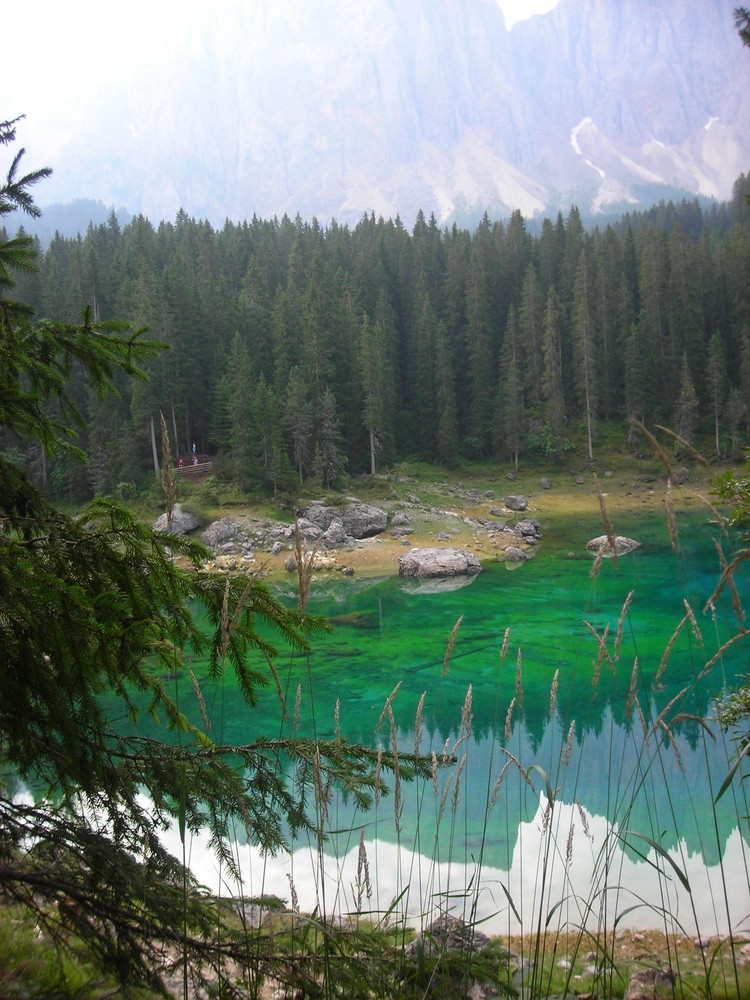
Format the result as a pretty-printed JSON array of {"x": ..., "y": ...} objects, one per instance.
[{"x": 197, "y": 469}]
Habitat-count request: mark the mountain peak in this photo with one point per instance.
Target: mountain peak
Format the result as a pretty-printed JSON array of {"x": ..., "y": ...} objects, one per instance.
[{"x": 388, "y": 107}]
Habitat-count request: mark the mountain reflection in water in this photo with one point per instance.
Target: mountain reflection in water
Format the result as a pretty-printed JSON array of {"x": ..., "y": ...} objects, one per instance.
[{"x": 600, "y": 710}]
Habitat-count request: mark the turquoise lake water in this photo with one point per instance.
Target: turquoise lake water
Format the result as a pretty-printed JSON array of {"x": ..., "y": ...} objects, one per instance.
[{"x": 614, "y": 773}]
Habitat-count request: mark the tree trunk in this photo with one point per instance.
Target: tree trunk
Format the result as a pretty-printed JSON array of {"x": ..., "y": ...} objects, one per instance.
[
  {"x": 154, "y": 452},
  {"x": 177, "y": 448}
]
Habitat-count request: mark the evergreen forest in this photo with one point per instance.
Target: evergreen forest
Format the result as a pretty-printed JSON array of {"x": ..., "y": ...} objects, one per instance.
[{"x": 299, "y": 351}]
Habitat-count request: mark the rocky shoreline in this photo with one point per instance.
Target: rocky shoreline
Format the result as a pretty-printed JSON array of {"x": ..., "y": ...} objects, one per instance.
[
  {"x": 367, "y": 537},
  {"x": 358, "y": 537}
]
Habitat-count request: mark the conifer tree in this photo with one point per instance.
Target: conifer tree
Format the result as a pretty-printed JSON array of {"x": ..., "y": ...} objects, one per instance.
[
  {"x": 744, "y": 374},
  {"x": 299, "y": 419},
  {"x": 273, "y": 460},
  {"x": 736, "y": 411},
  {"x": 716, "y": 381},
  {"x": 95, "y": 605},
  {"x": 446, "y": 432},
  {"x": 530, "y": 319},
  {"x": 742, "y": 23},
  {"x": 686, "y": 409},
  {"x": 481, "y": 356},
  {"x": 511, "y": 408},
  {"x": 243, "y": 430},
  {"x": 552, "y": 382},
  {"x": 636, "y": 382},
  {"x": 329, "y": 454},
  {"x": 376, "y": 386},
  {"x": 585, "y": 351},
  {"x": 423, "y": 387}
]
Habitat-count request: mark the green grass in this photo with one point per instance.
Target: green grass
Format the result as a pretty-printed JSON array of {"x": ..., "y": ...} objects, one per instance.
[{"x": 32, "y": 967}]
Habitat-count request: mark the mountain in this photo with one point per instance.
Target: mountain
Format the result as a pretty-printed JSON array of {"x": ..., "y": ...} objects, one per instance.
[{"x": 395, "y": 105}]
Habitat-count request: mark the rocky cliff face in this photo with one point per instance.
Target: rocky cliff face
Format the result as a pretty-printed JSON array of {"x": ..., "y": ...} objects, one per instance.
[{"x": 391, "y": 106}]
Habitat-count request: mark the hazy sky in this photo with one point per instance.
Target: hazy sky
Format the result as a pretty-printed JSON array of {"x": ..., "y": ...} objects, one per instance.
[{"x": 75, "y": 46}]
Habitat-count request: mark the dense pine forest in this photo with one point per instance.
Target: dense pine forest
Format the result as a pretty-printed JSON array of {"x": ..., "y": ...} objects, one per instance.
[{"x": 301, "y": 352}]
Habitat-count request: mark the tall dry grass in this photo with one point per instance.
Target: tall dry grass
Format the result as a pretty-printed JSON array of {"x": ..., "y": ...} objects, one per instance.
[{"x": 357, "y": 939}]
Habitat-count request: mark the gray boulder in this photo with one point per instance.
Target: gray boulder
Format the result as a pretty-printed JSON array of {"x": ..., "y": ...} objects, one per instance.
[
  {"x": 183, "y": 522},
  {"x": 309, "y": 532},
  {"x": 219, "y": 532},
  {"x": 359, "y": 520},
  {"x": 321, "y": 515},
  {"x": 362, "y": 520},
  {"x": 449, "y": 932},
  {"x": 680, "y": 475},
  {"x": 650, "y": 984},
  {"x": 528, "y": 528},
  {"x": 516, "y": 502},
  {"x": 437, "y": 562},
  {"x": 335, "y": 534},
  {"x": 514, "y": 554},
  {"x": 600, "y": 546}
]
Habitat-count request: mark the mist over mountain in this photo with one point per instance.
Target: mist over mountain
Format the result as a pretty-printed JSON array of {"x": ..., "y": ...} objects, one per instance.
[{"x": 392, "y": 106}]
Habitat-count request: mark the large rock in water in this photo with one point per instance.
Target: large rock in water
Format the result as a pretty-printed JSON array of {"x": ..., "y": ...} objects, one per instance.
[
  {"x": 182, "y": 522},
  {"x": 600, "y": 546},
  {"x": 428, "y": 563}
]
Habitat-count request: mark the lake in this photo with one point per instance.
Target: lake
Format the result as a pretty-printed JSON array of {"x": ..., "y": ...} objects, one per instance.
[{"x": 580, "y": 787}]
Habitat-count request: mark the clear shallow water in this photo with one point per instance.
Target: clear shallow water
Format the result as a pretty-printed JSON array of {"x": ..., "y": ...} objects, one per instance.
[{"x": 604, "y": 766}]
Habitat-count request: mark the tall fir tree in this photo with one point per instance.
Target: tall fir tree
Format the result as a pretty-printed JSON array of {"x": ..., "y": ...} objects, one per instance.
[
  {"x": 511, "y": 404},
  {"x": 530, "y": 330},
  {"x": 585, "y": 352},
  {"x": 552, "y": 379},
  {"x": 299, "y": 419},
  {"x": 376, "y": 387},
  {"x": 329, "y": 451},
  {"x": 686, "y": 407},
  {"x": 716, "y": 385},
  {"x": 446, "y": 431}
]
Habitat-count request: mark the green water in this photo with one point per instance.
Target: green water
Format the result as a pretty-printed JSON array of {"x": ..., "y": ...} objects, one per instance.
[{"x": 659, "y": 785}]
